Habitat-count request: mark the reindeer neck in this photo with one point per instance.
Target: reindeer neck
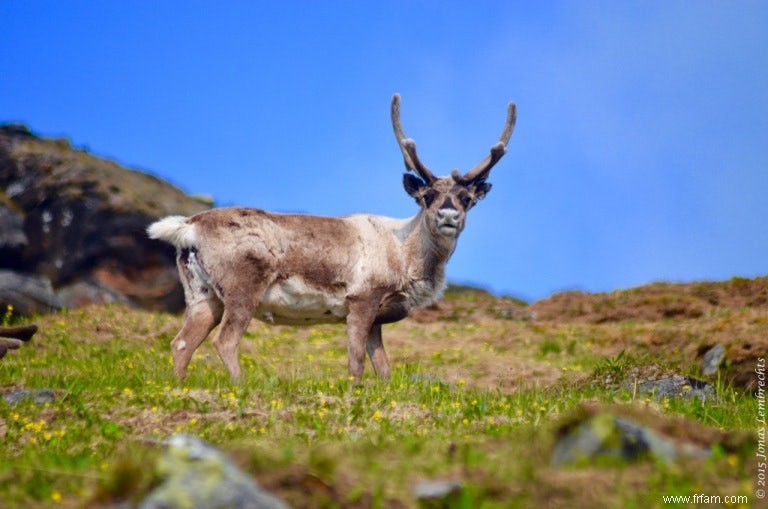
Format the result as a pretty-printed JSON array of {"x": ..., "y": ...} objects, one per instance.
[{"x": 428, "y": 254}]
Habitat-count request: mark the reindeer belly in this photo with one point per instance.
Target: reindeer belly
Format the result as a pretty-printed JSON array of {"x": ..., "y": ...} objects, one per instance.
[{"x": 294, "y": 302}]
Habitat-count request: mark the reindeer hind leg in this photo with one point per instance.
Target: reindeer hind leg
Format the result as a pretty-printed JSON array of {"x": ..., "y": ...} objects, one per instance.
[
  {"x": 200, "y": 319},
  {"x": 204, "y": 311}
]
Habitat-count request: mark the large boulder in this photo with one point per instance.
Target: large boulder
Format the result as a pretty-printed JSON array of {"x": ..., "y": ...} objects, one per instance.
[
  {"x": 78, "y": 221},
  {"x": 197, "y": 475},
  {"x": 620, "y": 434}
]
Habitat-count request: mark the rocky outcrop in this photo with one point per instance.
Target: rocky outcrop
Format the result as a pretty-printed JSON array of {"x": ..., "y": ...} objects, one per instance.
[{"x": 74, "y": 224}]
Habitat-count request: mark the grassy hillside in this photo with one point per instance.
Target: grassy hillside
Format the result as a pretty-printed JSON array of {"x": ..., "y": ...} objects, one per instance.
[{"x": 478, "y": 394}]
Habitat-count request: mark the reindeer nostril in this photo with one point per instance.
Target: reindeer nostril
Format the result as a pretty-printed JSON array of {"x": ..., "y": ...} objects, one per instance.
[{"x": 451, "y": 214}]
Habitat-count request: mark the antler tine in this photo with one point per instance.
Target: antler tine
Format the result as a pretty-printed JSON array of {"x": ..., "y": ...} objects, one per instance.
[
  {"x": 407, "y": 145},
  {"x": 497, "y": 151},
  {"x": 509, "y": 125}
]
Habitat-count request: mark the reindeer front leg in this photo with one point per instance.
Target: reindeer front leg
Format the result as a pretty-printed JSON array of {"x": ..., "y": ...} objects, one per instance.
[
  {"x": 362, "y": 313},
  {"x": 375, "y": 346}
]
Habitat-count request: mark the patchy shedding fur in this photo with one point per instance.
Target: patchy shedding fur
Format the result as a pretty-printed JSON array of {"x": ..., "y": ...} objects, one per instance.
[{"x": 237, "y": 263}]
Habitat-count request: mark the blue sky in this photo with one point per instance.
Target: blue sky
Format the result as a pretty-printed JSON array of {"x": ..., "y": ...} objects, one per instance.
[{"x": 640, "y": 152}]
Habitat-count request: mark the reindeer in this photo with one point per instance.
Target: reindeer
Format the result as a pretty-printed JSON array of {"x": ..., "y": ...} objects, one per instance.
[{"x": 366, "y": 270}]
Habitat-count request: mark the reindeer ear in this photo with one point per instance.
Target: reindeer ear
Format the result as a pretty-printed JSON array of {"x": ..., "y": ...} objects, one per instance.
[
  {"x": 412, "y": 185},
  {"x": 480, "y": 189}
]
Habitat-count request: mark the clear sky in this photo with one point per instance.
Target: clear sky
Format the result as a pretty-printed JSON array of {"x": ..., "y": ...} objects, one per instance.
[{"x": 640, "y": 153}]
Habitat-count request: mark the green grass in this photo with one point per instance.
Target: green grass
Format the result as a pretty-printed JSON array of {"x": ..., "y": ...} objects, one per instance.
[{"x": 309, "y": 433}]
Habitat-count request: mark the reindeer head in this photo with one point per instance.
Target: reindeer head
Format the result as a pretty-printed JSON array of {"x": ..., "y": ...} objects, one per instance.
[{"x": 446, "y": 200}]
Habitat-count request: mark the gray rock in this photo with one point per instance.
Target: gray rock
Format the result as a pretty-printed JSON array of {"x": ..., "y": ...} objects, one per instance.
[
  {"x": 199, "y": 476},
  {"x": 712, "y": 360},
  {"x": 606, "y": 436},
  {"x": 27, "y": 293},
  {"x": 39, "y": 396},
  {"x": 438, "y": 494},
  {"x": 518, "y": 314},
  {"x": 678, "y": 387},
  {"x": 88, "y": 291},
  {"x": 423, "y": 377}
]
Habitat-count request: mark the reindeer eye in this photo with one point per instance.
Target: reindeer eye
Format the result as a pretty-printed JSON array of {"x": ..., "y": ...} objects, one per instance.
[
  {"x": 466, "y": 200},
  {"x": 429, "y": 197}
]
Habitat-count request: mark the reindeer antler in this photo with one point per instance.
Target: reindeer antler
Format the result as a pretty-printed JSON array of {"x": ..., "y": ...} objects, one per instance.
[
  {"x": 408, "y": 146},
  {"x": 480, "y": 172}
]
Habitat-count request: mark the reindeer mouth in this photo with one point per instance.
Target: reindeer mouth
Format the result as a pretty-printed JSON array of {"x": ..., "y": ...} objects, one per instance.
[{"x": 448, "y": 229}]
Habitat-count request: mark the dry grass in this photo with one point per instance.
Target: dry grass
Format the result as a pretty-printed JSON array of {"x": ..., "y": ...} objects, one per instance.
[{"x": 478, "y": 393}]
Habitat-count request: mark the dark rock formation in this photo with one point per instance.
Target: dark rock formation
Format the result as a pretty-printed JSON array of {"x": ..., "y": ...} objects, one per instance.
[{"x": 77, "y": 222}]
